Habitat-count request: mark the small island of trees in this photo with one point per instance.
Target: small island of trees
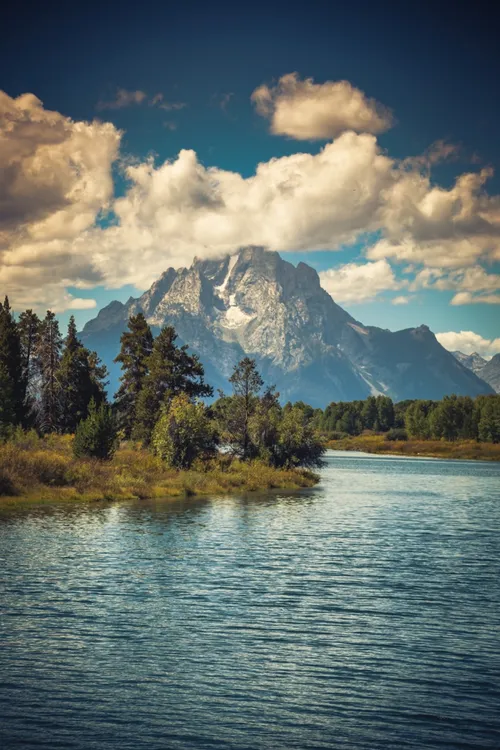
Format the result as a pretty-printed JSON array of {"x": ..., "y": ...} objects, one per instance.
[{"x": 60, "y": 435}]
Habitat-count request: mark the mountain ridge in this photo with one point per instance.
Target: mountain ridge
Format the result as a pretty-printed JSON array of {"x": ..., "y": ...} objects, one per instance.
[
  {"x": 487, "y": 370},
  {"x": 256, "y": 303}
]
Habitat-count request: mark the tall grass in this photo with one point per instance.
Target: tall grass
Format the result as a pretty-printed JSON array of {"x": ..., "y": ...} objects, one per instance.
[{"x": 45, "y": 469}]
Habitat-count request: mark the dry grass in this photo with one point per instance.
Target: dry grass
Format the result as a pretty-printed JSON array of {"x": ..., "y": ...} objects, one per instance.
[
  {"x": 461, "y": 449},
  {"x": 45, "y": 469}
]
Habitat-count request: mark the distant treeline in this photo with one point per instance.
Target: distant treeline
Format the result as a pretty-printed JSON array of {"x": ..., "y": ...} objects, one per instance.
[{"x": 452, "y": 418}]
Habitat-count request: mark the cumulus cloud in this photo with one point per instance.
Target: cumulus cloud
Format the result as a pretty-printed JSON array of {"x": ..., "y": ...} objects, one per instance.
[
  {"x": 54, "y": 181},
  {"x": 468, "y": 342},
  {"x": 427, "y": 224},
  {"x": 359, "y": 282},
  {"x": 466, "y": 298},
  {"x": 401, "y": 300},
  {"x": 56, "y": 184},
  {"x": 305, "y": 110}
]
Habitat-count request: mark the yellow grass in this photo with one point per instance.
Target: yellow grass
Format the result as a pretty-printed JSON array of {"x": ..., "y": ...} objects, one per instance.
[
  {"x": 461, "y": 449},
  {"x": 45, "y": 469}
]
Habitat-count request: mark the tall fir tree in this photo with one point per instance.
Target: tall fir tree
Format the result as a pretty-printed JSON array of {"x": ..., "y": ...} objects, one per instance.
[
  {"x": 136, "y": 347},
  {"x": 11, "y": 363},
  {"x": 28, "y": 327},
  {"x": 171, "y": 371},
  {"x": 48, "y": 352},
  {"x": 78, "y": 380}
]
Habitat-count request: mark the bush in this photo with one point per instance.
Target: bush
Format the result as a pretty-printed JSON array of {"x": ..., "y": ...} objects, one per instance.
[
  {"x": 184, "y": 433},
  {"x": 397, "y": 433},
  {"x": 96, "y": 436}
]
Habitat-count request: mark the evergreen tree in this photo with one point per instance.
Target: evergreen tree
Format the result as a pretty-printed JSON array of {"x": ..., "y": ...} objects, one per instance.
[
  {"x": 11, "y": 364},
  {"x": 48, "y": 353},
  {"x": 369, "y": 414},
  {"x": 136, "y": 347},
  {"x": 78, "y": 380},
  {"x": 28, "y": 327},
  {"x": 385, "y": 409},
  {"x": 96, "y": 435},
  {"x": 7, "y": 403},
  {"x": 171, "y": 371}
]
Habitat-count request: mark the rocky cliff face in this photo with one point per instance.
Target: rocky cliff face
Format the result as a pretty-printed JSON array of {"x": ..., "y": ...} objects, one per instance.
[
  {"x": 256, "y": 303},
  {"x": 487, "y": 371}
]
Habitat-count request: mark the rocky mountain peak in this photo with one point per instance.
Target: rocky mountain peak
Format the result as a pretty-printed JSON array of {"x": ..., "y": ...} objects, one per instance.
[{"x": 256, "y": 303}]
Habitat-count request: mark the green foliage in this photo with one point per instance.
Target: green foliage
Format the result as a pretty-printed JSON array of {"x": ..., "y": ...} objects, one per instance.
[
  {"x": 48, "y": 353},
  {"x": 489, "y": 420},
  {"x": 396, "y": 433},
  {"x": 96, "y": 436},
  {"x": 28, "y": 327},
  {"x": 297, "y": 443},
  {"x": 11, "y": 382},
  {"x": 184, "y": 433},
  {"x": 170, "y": 371},
  {"x": 80, "y": 380},
  {"x": 136, "y": 347}
]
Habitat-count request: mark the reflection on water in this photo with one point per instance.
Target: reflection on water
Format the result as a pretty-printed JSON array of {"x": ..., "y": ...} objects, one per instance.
[{"x": 362, "y": 614}]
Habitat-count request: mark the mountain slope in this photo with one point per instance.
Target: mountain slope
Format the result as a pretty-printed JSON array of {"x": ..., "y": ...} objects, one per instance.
[
  {"x": 489, "y": 371},
  {"x": 256, "y": 303}
]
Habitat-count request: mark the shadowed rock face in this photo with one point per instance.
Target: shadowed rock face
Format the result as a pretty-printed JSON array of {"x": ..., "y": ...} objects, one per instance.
[
  {"x": 487, "y": 371},
  {"x": 256, "y": 303}
]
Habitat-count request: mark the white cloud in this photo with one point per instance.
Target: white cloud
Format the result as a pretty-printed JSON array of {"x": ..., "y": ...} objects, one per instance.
[
  {"x": 466, "y": 298},
  {"x": 305, "y": 110},
  {"x": 429, "y": 225},
  {"x": 359, "y": 282},
  {"x": 468, "y": 342},
  {"x": 401, "y": 300},
  {"x": 56, "y": 181}
]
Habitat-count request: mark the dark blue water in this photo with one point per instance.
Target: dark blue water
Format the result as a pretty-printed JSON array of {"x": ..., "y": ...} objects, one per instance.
[{"x": 362, "y": 614}]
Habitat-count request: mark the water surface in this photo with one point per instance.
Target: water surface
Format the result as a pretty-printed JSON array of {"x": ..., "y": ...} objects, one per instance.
[{"x": 362, "y": 614}]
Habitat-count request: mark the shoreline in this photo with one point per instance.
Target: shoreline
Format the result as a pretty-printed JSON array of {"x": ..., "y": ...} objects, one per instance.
[
  {"x": 377, "y": 444},
  {"x": 46, "y": 471}
]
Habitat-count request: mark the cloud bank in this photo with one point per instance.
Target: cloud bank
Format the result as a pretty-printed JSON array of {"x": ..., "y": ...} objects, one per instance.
[{"x": 61, "y": 225}]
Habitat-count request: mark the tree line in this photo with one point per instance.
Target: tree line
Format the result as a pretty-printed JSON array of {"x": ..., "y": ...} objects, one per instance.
[
  {"x": 56, "y": 385},
  {"x": 451, "y": 418},
  {"x": 47, "y": 382}
]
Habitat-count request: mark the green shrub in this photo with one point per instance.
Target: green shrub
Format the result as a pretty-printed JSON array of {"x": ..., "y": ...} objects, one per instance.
[
  {"x": 96, "y": 436},
  {"x": 397, "y": 433},
  {"x": 184, "y": 433}
]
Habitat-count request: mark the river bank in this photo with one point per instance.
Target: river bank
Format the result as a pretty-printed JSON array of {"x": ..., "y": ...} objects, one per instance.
[
  {"x": 460, "y": 449},
  {"x": 45, "y": 470}
]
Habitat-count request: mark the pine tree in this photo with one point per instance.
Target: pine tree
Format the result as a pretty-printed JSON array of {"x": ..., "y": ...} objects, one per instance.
[
  {"x": 171, "y": 371},
  {"x": 236, "y": 412},
  {"x": 96, "y": 436},
  {"x": 11, "y": 362},
  {"x": 76, "y": 381},
  {"x": 48, "y": 352},
  {"x": 28, "y": 327},
  {"x": 136, "y": 346}
]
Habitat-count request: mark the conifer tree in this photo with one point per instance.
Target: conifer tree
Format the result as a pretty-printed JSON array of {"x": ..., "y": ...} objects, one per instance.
[
  {"x": 235, "y": 413},
  {"x": 11, "y": 363},
  {"x": 136, "y": 346},
  {"x": 48, "y": 352},
  {"x": 28, "y": 327},
  {"x": 171, "y": 371},
  {"x": 76, "y": 380}
]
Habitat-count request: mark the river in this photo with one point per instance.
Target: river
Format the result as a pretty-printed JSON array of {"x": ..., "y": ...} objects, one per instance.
[{"x": 363, "y": 614}]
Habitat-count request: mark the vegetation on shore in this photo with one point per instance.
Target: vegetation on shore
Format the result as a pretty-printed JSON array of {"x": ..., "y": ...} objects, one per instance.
[
  {"x": 458, "y": 449},
  {"x": 60, "y": 438},
  {"x": 45, "y": 468}
]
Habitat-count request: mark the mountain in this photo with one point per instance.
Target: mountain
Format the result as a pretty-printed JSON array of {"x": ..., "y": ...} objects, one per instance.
[
  {"x": 256, "y": 303},
  {"x": 472, "y": 361},
  {"x": 489, "y": 371}
]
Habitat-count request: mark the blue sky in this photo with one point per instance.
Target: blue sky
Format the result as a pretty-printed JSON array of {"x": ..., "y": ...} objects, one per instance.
[{"x": 436, "y": 70}]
